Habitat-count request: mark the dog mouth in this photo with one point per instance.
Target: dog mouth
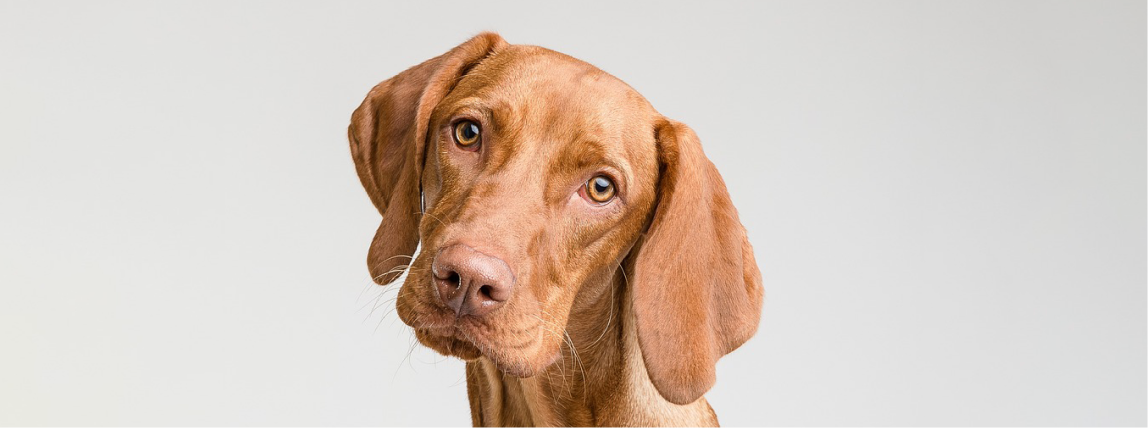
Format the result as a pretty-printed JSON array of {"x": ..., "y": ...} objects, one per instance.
[
  {"x": 448, "y": 342},
  {"x": 516, "y": 347},
  {"x": 462, "y": 341}
]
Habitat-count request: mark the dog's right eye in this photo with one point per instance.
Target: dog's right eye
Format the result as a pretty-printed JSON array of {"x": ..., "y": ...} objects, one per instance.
[{"x": 467, "y": 134}]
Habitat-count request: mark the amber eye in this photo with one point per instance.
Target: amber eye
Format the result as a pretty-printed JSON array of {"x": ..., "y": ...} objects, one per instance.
[
  {"x": 600, "y": 189},
  {"x": 466, "y": 133}
]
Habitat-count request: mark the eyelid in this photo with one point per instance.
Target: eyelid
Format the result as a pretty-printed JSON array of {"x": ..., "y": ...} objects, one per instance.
[
  {"x": 472, "y": 112},
  {"x": 455, "y": 120}
]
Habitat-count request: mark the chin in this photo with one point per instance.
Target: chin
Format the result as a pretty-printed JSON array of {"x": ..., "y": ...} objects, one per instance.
[{"x": 464, "y": 341}]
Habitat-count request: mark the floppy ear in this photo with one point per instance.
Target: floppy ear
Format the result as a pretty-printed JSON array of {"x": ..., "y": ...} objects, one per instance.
[
  {"x": 696, "y": 287},
  {"x": 388, "y": 136}
]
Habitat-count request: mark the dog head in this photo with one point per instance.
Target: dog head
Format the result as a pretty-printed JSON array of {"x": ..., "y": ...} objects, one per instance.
[{"x": 529, "y": 176}]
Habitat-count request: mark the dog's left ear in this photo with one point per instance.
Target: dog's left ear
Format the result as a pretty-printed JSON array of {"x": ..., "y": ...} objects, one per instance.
[
  {"x": 388, "y": 136},
  {"x": 696, "y": 288}
]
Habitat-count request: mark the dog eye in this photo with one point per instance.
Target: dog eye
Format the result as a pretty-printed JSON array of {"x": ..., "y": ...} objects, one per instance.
[
  {"x": 600, "y": 189},
  {"x": 466, "y": 134}
]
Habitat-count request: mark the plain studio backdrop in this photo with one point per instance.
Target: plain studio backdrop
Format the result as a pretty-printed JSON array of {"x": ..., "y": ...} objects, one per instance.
[{"x": 947, "y": 200}]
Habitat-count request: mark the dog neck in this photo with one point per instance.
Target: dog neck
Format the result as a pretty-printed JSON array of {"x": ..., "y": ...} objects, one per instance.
[{"x": 599, "y": 380}]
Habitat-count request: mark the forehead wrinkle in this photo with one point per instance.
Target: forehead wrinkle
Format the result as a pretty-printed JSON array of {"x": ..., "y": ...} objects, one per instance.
[
  {"x": 581, "y": 155},
  {"x": 577, "y": 155},
  {"x": 507, "y": 134}
]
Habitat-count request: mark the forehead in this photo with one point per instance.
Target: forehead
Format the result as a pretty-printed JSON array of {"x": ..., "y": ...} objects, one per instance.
[{"x": 532, "y": 88}]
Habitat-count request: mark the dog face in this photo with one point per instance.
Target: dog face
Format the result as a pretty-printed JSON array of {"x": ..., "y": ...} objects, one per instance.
[
  {"x": 530, "y": 178},
  {"x": 540, "y": 173}
]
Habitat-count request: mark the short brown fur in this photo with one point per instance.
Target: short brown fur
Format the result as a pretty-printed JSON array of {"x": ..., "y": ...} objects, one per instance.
[{"x": 620, "y": 310}]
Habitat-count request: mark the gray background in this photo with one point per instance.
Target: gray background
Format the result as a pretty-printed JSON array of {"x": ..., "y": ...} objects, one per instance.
[{"x": 947, "y": 200}]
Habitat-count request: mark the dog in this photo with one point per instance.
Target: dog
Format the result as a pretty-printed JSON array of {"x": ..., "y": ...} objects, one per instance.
[{"x": 579, "y": 251}]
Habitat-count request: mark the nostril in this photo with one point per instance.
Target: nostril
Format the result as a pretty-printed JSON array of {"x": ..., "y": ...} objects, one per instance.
[
  {"x": 469, "y": 282},
  {"x": 485, "y": 292}
]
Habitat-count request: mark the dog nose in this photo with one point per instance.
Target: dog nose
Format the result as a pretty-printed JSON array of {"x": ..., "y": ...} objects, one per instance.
[{"x": 470, "y": 282}]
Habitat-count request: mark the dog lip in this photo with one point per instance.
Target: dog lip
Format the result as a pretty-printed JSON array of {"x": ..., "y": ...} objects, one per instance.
[
  {"x": 462, "y": 337},
  {"x": 452, "y": 330},
  {"x": 441, "y": 331},
  {"x": 460, "y": 345}
]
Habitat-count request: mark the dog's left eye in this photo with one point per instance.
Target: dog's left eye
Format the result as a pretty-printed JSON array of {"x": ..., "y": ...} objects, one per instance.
[
  {"x": 466, "y": 134},
  {"x": 600, "y": 189}
]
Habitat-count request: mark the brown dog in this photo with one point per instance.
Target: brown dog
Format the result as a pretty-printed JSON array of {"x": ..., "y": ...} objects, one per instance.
[{"x": 579, "y": 250}]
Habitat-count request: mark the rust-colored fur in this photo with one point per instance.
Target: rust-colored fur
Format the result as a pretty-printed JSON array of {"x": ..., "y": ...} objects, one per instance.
[{"x": 619, "y": 310}]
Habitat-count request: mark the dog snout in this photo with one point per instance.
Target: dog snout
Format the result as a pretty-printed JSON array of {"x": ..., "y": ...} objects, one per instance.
[{"x": 470, "y": 282}]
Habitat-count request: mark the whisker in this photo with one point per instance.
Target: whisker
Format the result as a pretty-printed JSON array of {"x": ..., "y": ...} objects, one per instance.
[
  {"x": 410, "y": 348},
  {"x": 610, "y": 318},
  {"x": 435, "y": 218},
  {"x": 576, "y": 361},
  {"x": 375, "y": 299},
  {"x": 373, "y": 283}
]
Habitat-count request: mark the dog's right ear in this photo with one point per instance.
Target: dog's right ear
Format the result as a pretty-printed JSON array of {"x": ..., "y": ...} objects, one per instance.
[{"x": 388, "y": 135}]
